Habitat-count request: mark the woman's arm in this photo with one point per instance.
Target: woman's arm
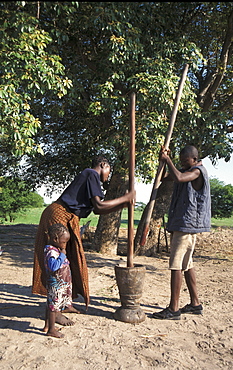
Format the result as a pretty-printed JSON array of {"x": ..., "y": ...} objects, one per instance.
[{"x": 108, "y": 206}]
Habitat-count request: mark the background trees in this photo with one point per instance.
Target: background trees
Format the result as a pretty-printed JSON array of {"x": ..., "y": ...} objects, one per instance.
[
  {"x": 221, "y": 199},
  {"x": 107, "y": 50},
  {"x": 15, "y": 197}
]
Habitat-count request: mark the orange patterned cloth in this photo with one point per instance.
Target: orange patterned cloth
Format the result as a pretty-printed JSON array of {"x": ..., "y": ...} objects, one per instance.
[{"x": 58, "y": 213}]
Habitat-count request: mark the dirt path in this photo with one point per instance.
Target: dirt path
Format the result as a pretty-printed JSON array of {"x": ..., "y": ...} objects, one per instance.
[{"x": 97, "y": 341}]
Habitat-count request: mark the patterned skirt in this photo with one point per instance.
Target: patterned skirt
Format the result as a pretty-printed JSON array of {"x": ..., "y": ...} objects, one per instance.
[{"x": 57, "y": 213}]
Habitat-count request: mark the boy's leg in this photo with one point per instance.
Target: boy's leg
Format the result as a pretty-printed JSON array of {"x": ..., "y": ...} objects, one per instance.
[
  {"x": 194, "y": 306},
  {"x": 190, "y": 279},
  {"x": 172, "y": 312},
  {"x": 176, "y": 282}
]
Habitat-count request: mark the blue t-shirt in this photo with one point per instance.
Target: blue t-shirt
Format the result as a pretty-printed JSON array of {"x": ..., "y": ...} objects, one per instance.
[
  {"x": 53, "y": 258},
  {"x": 77, "y": 196}
]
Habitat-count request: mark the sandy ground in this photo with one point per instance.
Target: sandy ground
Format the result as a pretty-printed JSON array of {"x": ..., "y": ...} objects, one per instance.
[{"x": 99, "y": 342}]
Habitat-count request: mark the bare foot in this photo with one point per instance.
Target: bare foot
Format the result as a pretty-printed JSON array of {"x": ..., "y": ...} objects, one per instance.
[
  {"x": 63, "y": 320},
  {"x": 46, "y": 328},
  {"x": 55, "y": 333},
  {"x": 72, "y": 309}
]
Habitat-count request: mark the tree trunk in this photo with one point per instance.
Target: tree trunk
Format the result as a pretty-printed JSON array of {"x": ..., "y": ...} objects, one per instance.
[
  {"x": 106, "y": 234},
  {"x": 161, "y": 207}
]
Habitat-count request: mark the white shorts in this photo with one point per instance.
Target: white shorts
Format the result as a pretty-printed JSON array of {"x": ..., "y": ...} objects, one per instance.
[{"x": 182, "y": 248}]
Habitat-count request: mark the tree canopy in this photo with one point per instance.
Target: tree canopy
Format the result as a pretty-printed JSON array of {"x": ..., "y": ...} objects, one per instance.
[
  {"x": 28, "y": 70},
  {"x": 71, "y": 67}
]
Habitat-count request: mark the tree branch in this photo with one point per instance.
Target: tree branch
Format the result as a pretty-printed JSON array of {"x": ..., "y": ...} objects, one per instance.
[{"x": 224, "y": 57}]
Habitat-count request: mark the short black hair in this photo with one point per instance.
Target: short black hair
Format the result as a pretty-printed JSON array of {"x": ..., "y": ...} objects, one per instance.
[
  {"x": 190, "y": 150},
  {"x": 99, "y": 159},
  {"x": 57, "y": 230}
]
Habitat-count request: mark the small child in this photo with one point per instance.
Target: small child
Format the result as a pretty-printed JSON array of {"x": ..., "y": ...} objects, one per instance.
[{"x": 59, "y": 283}]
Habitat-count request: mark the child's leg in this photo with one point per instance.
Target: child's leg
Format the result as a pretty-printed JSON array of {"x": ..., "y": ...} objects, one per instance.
[
  {"x": 52, "y": 332},
  {"x": 46, "y": 325}
]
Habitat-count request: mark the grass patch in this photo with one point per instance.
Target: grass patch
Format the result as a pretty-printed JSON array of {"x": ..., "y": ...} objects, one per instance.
[
  {"x": 224, "y": 222},
  {"x": 30, "y": 216}
]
